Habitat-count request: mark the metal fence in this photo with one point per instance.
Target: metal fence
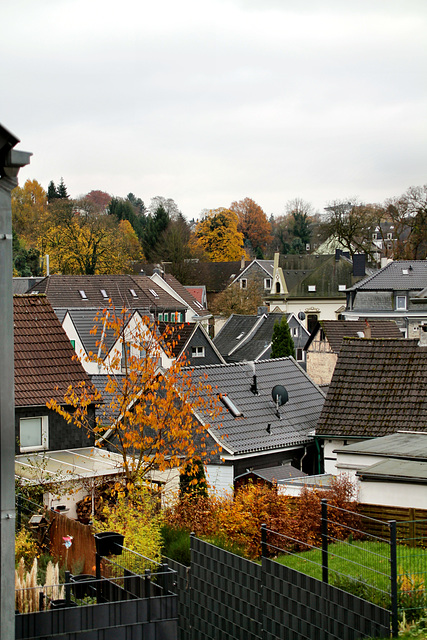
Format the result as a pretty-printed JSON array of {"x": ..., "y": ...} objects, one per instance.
[{"x": 388, "y": 570}]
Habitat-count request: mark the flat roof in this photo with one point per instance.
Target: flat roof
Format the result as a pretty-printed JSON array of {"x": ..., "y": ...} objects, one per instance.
[
  {"x": 67, "y": 464},
  {"x": 404, "y": 445}
]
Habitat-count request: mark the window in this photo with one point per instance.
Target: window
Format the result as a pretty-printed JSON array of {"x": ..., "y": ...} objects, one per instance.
[
  {"x": 311, "y": 321},
  {"x": 227, "y": 402},
  {"x": 133, "y": 293},
  {"x": 197, "y": 352},
  {"x": 173, "y": 317},
  {"x": 404, "y": 333},
  {"x": 83, "y": 294},
  {"x": 243, "y": 283},
  {"x": 389, "y": 236},
  {"x": 277, "y": 287},
  {"x": 294, "y": 332},
  {"x": 300, "y": 355},
  {"x": 160, "y": 317},
  {"x": 33, "y": 433},
  {"x": 341, "y": 287},
  {"x": 400, "y": 303},
  {"x": 374, "y": 236},
  {"x": 267, "y": 283},
  {"x": 181, "y": 316},
  {"x": 312, "y": 287},
  {"x": 154, "y": 293},
  {"x": 104, "y": 293},
  {"x": 166, "y": 317},
  {"x": 73, "y": 343}
]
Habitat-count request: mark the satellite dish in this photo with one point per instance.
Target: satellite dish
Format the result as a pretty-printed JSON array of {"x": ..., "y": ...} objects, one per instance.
[
  {"x": 280, "y": 395},
  {"x": 301, "y": 316}
]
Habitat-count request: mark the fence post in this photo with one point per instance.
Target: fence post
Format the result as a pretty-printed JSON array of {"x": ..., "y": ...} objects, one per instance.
[
  {"x": 67, "y": 589},
  {"x": 393, "y": 578},
  {"x": 325, "y": 576},
  {"x": 264, "y": 540}
]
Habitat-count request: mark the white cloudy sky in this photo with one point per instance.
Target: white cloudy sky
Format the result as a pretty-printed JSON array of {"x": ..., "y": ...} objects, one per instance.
[{"x": 210, "y": 101}]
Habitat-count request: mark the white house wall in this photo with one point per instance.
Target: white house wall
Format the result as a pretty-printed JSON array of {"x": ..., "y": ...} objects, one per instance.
[
  {"x": 393, "y": 494},
  {"x": 220, "y": 477}
]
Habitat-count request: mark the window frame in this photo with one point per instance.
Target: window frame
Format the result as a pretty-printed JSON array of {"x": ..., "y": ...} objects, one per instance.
[
  {"x": 243, "y": 283},
  {"x": 197, "y": 352},
  {"x": 44, "y": 445},
  {"x": 267, "y": 284},
  {"x": 405, "y": 303}
]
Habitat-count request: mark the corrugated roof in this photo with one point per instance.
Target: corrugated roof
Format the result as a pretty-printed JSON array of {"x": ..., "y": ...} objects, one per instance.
[
  {"x": 378, "y": 387},
  {"x": 396, "y": 445},
  {"x": 249, "y": 433},
  {"x": 44, "y": 358}
]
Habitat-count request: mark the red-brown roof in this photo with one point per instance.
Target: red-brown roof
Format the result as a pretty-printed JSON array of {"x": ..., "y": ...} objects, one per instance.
[{"x": 44, "y": 364}]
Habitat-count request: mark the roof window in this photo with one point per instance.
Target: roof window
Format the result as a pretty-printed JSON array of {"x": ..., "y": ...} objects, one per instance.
[
  {"x": 341, "y": 287},
  {"x": 312, "y": 287},
  {"x": 83, "y": 294},
  {"x": 133, "y": 293},
  {"x": 240, "y": 335},
  {"x": 104, "y": 293},
  {"x": 154, "y": 293},
  {"x": 229, "y": 404}
]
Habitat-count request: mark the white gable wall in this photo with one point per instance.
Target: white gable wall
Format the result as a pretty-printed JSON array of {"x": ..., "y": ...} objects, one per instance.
[{"x": 220, "y": 477}]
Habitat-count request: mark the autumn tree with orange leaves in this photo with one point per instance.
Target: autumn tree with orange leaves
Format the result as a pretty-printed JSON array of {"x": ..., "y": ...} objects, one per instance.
[
  {"x": 218, "y": 236},
  {"x": 147, "y": 412},
  {"x": 253, "y": 224}
]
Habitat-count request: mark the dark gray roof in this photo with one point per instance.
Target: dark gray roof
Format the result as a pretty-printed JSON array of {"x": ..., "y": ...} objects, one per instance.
[
  {"x": 378, "y": 387},
  {"x": 249, "y": 337},
  {"x": 397, "y": 445},
  {"x": 393, "y": 277},
  {"x": 249, "y": 433},
  {"x": 412, "y": 472},
  {"x": 84, "y": 321},
  {"x": 271, "y": 474},
  {"x": 22, "y": 285}
]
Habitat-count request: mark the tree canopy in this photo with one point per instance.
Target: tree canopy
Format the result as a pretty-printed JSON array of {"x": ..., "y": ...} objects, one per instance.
[
  {"x": 253, "y": 223},
  {"x": 218, "y": 236},
  {"x": 282, "y": 344}
]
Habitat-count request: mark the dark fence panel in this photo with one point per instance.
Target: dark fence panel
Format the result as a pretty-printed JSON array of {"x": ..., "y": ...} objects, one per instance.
[
  {"x": 225, "y": 594},
  {"x": 299, "y": 607},
  {"x": 183, "y": 591}
]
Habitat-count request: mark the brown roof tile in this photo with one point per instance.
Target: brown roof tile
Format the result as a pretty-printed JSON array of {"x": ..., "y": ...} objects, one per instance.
[
  {"x": 336, "y": 330},
  {"x": 44, "y": 365},
  {"x": 378, "y": 387}
]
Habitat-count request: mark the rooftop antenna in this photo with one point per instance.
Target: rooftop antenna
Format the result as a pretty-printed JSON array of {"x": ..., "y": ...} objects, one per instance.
[{"x": 280, "y": 397}]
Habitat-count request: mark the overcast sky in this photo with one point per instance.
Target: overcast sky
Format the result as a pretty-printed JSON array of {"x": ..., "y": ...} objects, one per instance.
[{"x": 210, "y": 101}]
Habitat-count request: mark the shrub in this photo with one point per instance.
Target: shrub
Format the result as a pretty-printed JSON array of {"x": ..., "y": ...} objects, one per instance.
[{"x": 25, "y": 547}]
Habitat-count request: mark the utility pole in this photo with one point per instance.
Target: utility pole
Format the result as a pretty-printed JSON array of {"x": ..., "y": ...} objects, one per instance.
[{"x": 10, "y": 163}]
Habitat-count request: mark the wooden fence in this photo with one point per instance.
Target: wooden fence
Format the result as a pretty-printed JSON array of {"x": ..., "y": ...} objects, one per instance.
[{"x": 80, "y": 557}]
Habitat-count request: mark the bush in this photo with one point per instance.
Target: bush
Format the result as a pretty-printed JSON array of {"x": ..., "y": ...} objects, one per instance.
[{"x": 25, "y": 547}]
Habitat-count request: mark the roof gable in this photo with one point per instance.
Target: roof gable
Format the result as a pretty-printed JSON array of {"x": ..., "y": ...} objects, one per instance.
[
  {"x": 400, "y": 275},
  {"x": 336, "y": 330}
]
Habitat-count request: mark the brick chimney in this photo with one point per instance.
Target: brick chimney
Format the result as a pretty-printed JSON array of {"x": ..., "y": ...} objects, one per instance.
[{"x": 367, "y": 332}]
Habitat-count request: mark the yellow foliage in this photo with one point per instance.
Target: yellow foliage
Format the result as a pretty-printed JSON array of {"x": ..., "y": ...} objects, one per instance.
[{"x": 217, "y": 235}]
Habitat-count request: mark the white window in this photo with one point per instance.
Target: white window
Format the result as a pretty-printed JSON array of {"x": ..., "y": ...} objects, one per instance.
[
  {"x": 83, "y": 294},
  {"x": 160, "y": 317},
  {"x": 389, "y": 236},
  {"x": 404, "y": 333},
  {"x": 154, "y": 293},
  {"x": 341, "y": 287},
  {"x": 197, "y": 352},
  {"x": 312, "y": 287},
  {"x": 243, "y": 283},
  {"x": 133, "y": 293},
  {"x": 104, "y": 293},
  {"x": 33, "y": 433},
  {"x": 267, "y": 283},
  {"x": 401, "y": 303}
]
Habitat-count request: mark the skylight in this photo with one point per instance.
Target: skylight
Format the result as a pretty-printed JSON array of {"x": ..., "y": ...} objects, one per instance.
[
  {"x": 133, "y": 294},
  {"x": 104, "y": 293},
  {"x": 154, "y": 293},
  {"x": 229, "y": 404},
  {"x": 83, "y": 295},
  {"x": 405, "y": 272}
]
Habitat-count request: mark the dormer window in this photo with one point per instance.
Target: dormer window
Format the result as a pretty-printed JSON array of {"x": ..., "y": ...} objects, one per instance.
[
  {"x": 229, "y": 404},
  {"x": 83, "y": 294},
  {"x": 133, "y": 293},
  {"x": 401, "y": 303}
]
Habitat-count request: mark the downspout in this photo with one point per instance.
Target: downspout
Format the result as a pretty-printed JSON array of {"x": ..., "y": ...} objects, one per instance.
[
  {"x": 319, "y": 455},
  {"x": 302, "y": 457}
]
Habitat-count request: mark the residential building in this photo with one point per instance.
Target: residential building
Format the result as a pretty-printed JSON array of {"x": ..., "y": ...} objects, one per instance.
[
  {"x": 378, "y": 388},
  {"x": 324, "y": 344},
  {"x": 396, "y": 292}
]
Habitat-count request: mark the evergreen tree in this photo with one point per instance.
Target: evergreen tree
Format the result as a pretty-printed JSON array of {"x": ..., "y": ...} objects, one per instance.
[
  {"x": 62, "y": 190},
  {"x": 52, "y": 193},
  {"x": 26, "y": 263},
  {"x": 282, "y": 343},
  {"x": 192, "y": 481}
]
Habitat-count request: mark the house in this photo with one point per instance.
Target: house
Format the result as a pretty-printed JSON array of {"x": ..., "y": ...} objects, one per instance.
[
  {"x": 313, "y": 287},
  {"x": 182, "y": 294},
  {"x": 191, "y": 342},
  {"x": 255, "y": 431},
  {"x": 260, "y": 271},
  {"x": 378, "y": 388},
  {"x": 249, "y": 337},
  {"x": 390, "y": 470},
  {"x": 97, "y": 292},
  {"x": 395, "y": 292},
  {"x": 47, "y": 448},
  {"x": 323, "y": 346}
]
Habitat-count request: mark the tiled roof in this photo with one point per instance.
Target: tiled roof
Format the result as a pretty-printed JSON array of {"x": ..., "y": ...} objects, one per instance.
[
  {"x": 185, "y": 294},
  {"x": 394, "y": 277},
  {"x": 271, "y": 474},
  {"x": 177, "y": 335},
  {"x": 44, "y": 364},
  {"x": 324, "y": 272},
  {"x": 84, "y": 321},
  {"x": 336, "y": 330},
  {"x": 257, "y": 335},
  {"x": 378, "y": 387},
  {"x": 248, "y": 434},
  {"x": 64, "y": 292}
]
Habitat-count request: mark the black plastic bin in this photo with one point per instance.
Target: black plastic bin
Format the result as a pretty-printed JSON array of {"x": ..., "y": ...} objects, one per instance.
[
  {"x": 61, "y": 604},
  {"x": 83, "y": 585},
  {"x": 108, "y": 542}
]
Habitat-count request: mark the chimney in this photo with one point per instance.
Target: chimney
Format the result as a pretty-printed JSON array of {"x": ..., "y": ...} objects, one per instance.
[
  {"x": 338, "y": 253},
  {"x": 242, "y": 263},
  {"x": 261, "y": 311},
  {"x": 359, "y": 261},
  {"x": 423, "y": 336},
  {"x": 367, "y": 332}
]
